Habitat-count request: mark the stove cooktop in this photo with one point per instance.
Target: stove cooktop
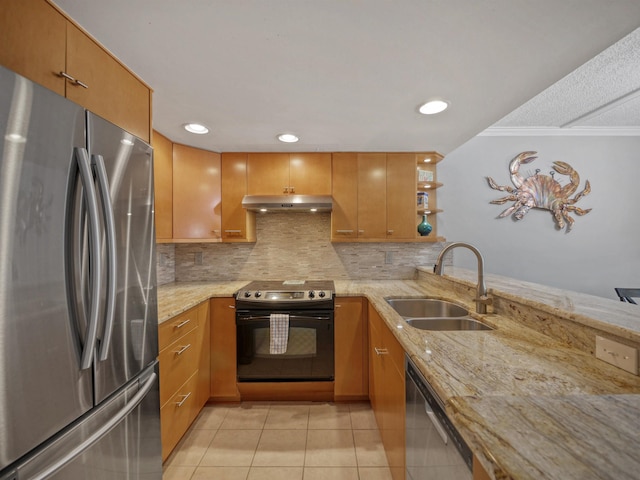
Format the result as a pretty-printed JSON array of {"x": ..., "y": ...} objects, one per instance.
[{"x": 287, "y": 291}]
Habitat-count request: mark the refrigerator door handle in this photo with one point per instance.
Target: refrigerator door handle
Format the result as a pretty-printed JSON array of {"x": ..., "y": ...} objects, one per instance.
[
  {"x": 112, "y": 260},
  {"x": 86, "y": 177},
  {"x": 101, "y": 432}
]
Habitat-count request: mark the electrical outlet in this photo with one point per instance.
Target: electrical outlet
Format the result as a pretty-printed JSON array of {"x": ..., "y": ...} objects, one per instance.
[
  {"x": 197, "y": 258},
  {"x": 622, "y": 356},
  {"x": 388, "y": 258}
]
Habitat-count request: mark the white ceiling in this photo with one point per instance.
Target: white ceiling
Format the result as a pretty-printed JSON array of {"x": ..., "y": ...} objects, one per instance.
[
  {"x": 604, "y": 94},
  {"x": 350, "y": 74}
]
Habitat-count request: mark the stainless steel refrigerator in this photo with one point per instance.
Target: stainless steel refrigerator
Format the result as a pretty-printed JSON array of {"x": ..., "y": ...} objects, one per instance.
[{"x": 78, "y": 310}]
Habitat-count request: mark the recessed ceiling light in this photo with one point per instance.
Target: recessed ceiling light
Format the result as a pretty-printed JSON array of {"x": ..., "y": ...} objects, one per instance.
[
  {"x": 196, "y": 128},
  {"x": 433, "y": 106},
  {"x": 288, "y": 138}
]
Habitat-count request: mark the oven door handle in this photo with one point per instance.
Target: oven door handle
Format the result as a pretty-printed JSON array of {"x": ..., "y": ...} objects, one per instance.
[{"x": 255, "y": 318}]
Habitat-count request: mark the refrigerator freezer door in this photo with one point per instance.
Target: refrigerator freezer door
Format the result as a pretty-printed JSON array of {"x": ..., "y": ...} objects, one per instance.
[
  {"x": 119, "y": 440},
  {"x": 42, "y": 388},
  {"x": 129, "y": 342}
]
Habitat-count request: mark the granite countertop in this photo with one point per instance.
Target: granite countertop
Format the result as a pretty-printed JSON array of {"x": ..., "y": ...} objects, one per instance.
[{"x": 529, "y": 405}]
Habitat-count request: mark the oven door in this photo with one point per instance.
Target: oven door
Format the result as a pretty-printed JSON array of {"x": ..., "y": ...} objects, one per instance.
[{"x": 309, "y": 348}]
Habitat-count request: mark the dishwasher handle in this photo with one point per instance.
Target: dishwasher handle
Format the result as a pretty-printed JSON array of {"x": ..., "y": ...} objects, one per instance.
[{"x": 439, "y": 428}]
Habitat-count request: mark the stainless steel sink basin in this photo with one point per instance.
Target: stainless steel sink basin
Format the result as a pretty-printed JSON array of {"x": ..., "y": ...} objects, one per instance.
[
  {"x": 447, "y": 324},
  {"x": 426, "y": 307}
]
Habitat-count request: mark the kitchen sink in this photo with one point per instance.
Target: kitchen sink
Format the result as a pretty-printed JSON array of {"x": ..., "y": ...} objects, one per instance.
[
  {"x": 426, "y": 308},
  {"x": 447, "y": 324}
]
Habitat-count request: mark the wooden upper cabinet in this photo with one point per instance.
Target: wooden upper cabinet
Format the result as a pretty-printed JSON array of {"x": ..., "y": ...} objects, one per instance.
[
  {"x": 310, "y": 173},
  {"x": 344, "y": 215},
  {"x": 372, "y": 196},
  {"x": 113, "y": 92},
  {"x": 33, "y": 41},
  {"x": 267, "y": 174},
  {"x": 39, "y": 42},
  {"x": 401, "y": 196},
  {"x": 196, "y": 194},
  {"x": 289, "y": 174},
  {"x": 238, "y": 224},
  {"x": 163, "y": 186}
]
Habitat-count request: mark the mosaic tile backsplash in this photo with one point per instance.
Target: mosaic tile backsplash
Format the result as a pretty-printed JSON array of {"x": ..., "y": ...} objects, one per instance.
[{"x": 292, "y": 245}]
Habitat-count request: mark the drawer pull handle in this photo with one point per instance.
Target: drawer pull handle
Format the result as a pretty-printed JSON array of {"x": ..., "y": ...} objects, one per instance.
[
  {"x": 182, "y": 350},
  {"x": 381, "y": 351},
  {"x": 184, "y": 399},
  {"x": 182, "y": 324},
  {"x": 344, "y": 232}
]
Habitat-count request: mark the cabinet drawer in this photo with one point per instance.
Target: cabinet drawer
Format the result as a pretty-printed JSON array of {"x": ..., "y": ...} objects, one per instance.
[
  {"x": 177, "y": 414},
  {"x": 177, "y": 363},
  {"x": 171, "y": 330}
]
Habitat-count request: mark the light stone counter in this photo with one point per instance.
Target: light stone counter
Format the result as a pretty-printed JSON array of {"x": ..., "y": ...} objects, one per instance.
[
  {"x": 529, "y": 396},
  {"x": 175, "y": 298}
]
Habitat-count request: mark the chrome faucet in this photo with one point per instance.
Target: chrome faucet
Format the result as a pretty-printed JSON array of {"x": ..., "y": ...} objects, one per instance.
[{"x": 482, "y": 300}]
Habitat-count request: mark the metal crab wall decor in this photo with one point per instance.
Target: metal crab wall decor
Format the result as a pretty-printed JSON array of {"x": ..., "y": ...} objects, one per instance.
[{"x": 542, "y": 191}]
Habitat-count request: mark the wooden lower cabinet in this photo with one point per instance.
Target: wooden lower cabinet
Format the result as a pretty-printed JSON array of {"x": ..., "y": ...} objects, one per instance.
[
  {"x": 177, "y": 414},
  {"x": 479, "y": 473},
  {"x": 223, "y": 350},
  {"x": 351, "y": 351},
  {"x": 184, "y": 364},
  {"x": 387, "y": 391}
]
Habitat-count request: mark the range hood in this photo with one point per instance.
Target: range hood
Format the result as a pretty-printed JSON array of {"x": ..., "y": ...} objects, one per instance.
[{"x": 289, "y": 203}]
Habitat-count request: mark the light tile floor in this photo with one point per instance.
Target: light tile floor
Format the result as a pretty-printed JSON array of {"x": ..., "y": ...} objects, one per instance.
[{"x": 283, "y": 441}]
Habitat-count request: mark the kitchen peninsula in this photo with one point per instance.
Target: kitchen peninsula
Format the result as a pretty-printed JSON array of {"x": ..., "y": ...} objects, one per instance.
[{"x": 529, "y": 397}]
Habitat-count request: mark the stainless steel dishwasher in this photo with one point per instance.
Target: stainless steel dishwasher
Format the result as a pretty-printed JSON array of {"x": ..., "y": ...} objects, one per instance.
[{"x": 434, "y": 448}]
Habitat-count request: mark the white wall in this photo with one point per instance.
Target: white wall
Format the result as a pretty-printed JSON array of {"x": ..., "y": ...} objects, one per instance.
[{"x": 601, "y": 252}]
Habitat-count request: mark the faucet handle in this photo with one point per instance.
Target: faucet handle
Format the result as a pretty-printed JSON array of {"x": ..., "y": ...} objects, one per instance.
[{"x": 482, "y": 302}]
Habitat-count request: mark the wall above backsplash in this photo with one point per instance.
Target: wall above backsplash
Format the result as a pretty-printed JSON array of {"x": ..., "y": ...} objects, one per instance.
[{"x": 292, "y": 245}]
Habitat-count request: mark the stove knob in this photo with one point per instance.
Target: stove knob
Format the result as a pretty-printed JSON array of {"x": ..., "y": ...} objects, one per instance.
[
  {"x": 312, "y": 294},
  {"x": 258, "y": 294},
  {"x": 321, "y": 294},
  {"x": 247, "y": 294}
]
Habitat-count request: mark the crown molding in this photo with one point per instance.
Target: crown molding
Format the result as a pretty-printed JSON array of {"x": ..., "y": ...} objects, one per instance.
[{"x": 561, "y": 132}]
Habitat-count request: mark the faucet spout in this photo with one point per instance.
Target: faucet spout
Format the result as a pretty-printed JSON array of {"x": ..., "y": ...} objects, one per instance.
[{"x": 482, "y": 300}]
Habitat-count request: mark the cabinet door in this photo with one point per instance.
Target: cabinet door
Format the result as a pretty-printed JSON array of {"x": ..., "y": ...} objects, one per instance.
[
  {"x": 344, "y": 184},
  {"x": 33, "y": 38},
  {"x": 177, "y": 414},
  {"x": 196, "y": 194},
  {"x": 237, "y": 223},
  {"x": 401, "y": 196},
  {"x": 351, "y": 352},
  {"x": 310, "y": 173},
  {"x": 372, "y": 196},
  {"x": 376, "y": 368},
  {"x": 268, "y": 174},
  {"x": 163, "y": 185},
  {"x": 223, "y": 350},
  {"x": 387, "y": 389},
  {"x": 204, "y": 358},
  {"x": 113, "y": 92}
]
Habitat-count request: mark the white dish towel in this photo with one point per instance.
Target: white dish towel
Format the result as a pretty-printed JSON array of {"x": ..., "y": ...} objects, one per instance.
[{"x": 279, "y": 333}]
